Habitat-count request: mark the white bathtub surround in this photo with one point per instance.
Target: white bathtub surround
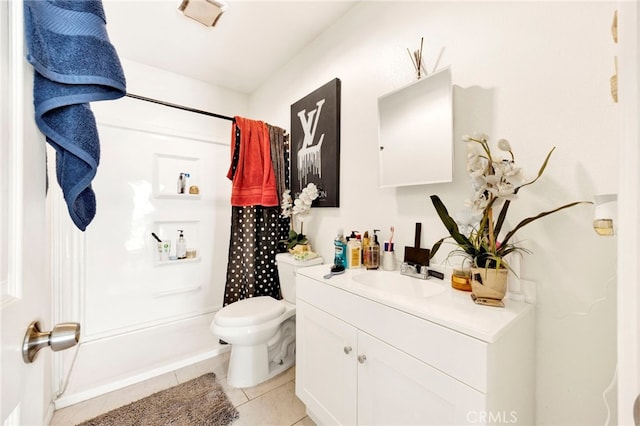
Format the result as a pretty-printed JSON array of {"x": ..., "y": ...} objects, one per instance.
[{"x": 140, "y": 316}]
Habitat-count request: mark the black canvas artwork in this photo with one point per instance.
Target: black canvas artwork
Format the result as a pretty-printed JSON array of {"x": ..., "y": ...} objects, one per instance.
[{"x": 315, "y": 144}]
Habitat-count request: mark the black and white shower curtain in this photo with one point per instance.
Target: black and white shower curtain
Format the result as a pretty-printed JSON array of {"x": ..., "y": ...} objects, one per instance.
[{"x": 255, "y": 233}]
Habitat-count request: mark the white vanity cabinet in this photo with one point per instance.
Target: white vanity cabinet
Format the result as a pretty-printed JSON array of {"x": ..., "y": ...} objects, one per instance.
[{"x": 361, "y": 361}]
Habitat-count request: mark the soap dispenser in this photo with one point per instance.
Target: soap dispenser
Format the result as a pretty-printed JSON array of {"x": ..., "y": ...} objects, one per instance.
[
  {"x": 181, "y": 246},
  {"x": 373, "y": 252}
]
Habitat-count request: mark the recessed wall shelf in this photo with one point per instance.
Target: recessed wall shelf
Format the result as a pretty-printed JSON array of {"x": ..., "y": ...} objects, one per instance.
[{"x": 166, "y": 171}]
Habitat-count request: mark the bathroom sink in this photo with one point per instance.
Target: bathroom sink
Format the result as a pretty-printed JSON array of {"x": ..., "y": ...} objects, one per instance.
[{"x": 398, "y": 284}]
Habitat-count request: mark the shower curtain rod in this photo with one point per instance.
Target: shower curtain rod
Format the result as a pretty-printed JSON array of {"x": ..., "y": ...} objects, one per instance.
[{"x": 197, "y": 111}]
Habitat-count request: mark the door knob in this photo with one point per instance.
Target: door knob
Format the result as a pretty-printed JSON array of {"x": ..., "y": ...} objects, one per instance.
[
  {"x": 347, "y": 350},
  {"x": 636, "y": 411},
  {"x": 361, "y": 359},
  {"x": 63, "y": 336}
]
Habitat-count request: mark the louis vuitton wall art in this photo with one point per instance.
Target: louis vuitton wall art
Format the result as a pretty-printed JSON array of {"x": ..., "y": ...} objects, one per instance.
[{"x": 315, "y": 143}]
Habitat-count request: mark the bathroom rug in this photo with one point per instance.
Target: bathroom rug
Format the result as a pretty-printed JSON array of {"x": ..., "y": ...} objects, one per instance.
[{"x": 198, "y": 402}]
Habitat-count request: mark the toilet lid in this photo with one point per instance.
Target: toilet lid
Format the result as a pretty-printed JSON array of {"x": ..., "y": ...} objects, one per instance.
[{"x": 254, "y": 310}]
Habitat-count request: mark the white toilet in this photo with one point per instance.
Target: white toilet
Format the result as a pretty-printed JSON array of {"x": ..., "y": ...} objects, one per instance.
[{"x": 261, "y": 330}]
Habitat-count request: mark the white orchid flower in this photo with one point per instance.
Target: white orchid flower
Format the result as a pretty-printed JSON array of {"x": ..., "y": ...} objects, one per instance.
[
  {"x": 286, "y": 203},
  {"x": 504, "y": 145}
]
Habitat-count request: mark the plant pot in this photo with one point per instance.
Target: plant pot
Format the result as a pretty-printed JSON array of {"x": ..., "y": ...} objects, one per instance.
[{"x": 489, "y": 285}]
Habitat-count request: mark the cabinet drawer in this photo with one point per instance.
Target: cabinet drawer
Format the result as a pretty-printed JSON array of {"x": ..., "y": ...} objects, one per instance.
[{"x": 465, "y": 358}]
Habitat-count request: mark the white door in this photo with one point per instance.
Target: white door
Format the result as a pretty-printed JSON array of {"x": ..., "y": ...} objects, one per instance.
[{"x": 25, "y": 292}]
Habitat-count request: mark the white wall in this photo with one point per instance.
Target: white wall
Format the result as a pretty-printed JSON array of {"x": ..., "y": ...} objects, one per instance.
[
  {"x": 141, "y": 317},
  {"x": 536, "y": 73}
]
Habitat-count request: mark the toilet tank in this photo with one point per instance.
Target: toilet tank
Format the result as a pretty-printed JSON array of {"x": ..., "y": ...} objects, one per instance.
[{"x": 287, "y": 267}]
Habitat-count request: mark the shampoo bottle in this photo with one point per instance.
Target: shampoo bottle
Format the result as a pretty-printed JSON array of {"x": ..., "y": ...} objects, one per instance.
[
  {"x": 181, "y": 246},
  {"x": 340, "y": 252}
]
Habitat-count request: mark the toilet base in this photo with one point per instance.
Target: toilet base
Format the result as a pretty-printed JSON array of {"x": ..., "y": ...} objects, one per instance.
[{"x": 250, "y": 365}]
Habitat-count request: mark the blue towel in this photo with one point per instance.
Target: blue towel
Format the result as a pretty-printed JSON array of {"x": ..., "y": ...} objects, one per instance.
[{"x": 75, "y": 64}]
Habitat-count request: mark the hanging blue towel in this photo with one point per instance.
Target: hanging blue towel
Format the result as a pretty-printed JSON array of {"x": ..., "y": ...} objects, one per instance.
[{"x": 75, "y": 64}]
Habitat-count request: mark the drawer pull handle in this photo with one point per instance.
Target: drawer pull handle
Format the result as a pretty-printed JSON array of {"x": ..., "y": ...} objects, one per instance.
[
  {"x": 361, "y": 359},
  {"x": 347, "y": 350}
]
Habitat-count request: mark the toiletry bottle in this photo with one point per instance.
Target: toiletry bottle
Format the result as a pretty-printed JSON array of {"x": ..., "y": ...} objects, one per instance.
[
  {"x": 373, "y": 258},
  {"x": 340, "y": 256},
  {"x": 181, "y": 246},
  {"x": 354, "y": 251},
  {"x": 182, "y": 183},
  {"x": 365, "y": 248}
]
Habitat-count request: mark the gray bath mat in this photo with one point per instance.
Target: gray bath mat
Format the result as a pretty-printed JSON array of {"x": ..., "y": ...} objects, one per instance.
[{"x": 198, "y": 402}]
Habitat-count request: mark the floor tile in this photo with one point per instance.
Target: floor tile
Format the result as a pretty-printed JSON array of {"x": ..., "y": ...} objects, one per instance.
[
  {"x": 276, "y": 408},
  {"x": 270, "y": 403},
  {"x": 277, "y": 381},
  {"x": 235, "y": 395},
  {"x": 306, "y": 421}
]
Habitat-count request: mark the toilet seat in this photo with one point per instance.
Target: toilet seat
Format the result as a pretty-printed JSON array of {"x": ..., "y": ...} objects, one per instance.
[{"x": 255, "y": 310}]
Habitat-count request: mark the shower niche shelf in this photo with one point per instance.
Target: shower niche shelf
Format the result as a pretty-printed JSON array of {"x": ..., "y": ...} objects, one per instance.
[
  {"x": 168, "y": 230},
  {"x": 166, "y": 172}
]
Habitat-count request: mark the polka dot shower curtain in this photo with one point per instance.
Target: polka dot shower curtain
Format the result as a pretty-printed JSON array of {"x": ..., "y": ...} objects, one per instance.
[{"x": 256, "y": 230}]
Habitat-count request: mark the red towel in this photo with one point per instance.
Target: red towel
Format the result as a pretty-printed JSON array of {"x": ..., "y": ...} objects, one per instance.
[{"x": 254, "y": 181}]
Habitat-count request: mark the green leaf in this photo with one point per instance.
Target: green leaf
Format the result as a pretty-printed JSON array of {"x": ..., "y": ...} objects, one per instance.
[
  {"x": 448, "y": 222},
  {"x": 501, "y": 217},
  {"x": 544, "y": 166},
  {"x": 436, "y": 247}
]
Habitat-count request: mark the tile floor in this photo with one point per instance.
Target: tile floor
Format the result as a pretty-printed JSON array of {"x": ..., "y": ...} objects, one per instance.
[{"x": 272, "y": 403}]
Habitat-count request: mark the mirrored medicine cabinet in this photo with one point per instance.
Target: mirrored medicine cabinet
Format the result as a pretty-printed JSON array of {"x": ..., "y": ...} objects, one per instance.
[{"x": 415, "y": 132}]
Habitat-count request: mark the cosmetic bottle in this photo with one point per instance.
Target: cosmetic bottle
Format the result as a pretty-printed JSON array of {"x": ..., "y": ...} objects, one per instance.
[
  {"x": 365, "y": 248},
  {"x": 181, "y": 246},
  {"x": 373, "y": 252},
  {"x": 182, "y": 183},
  {"x": 340, "y": 250},
  {"x": 354, "y": 251}
]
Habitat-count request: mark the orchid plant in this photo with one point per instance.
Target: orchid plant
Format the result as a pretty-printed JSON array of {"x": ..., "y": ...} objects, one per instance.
[
  {"x": 301, "y": 208},
  {"x": 495, "y": 183}
]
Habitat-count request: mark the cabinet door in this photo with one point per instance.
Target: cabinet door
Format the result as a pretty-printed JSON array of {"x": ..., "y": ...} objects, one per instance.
[
  {"x": 396, "y": 389},
  {"x": 326, "y": 366}
]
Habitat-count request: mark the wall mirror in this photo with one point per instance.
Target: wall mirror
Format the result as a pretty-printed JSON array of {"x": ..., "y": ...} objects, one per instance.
[{"x": 415, "y": 132}]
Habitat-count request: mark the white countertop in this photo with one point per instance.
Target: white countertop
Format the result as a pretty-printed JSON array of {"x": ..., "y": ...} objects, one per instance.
[{"x": 443, "y": 305}]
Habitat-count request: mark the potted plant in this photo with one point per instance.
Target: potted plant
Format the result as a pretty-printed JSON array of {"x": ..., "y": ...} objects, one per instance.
[
  {"x": 300, "y": 208},
  {"x": 495, "y": 182}
]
